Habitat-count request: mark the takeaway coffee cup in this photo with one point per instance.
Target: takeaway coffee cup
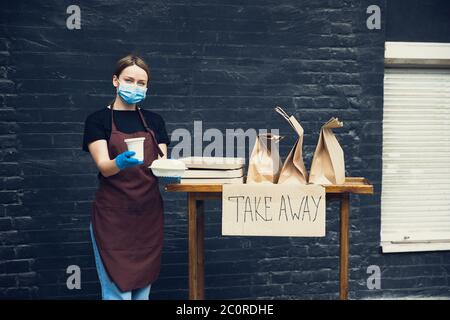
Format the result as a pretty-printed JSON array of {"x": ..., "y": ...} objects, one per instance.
[{"x": 136, "y": 145}]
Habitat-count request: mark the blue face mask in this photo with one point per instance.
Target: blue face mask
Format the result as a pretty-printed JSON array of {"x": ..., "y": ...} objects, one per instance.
[{"x": 131, "y": 93}]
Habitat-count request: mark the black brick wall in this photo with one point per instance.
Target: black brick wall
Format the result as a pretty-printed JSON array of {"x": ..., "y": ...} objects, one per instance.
[{"x": 228, "y": 63}]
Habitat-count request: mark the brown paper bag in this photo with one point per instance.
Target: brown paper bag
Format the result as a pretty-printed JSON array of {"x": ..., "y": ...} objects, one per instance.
[
  {"x": 293, "y": 170},
  {"x": 328, "y": 165},
  {"x": 264, "y": 163}
]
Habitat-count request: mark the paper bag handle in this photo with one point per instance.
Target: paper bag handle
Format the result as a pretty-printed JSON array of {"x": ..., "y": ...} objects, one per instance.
[
  {"x": 282, "y": 113},
  {"x": 271, "y": 136},
  {"x": 297, "y": 127},
  {"x": 333, "y": 123}
]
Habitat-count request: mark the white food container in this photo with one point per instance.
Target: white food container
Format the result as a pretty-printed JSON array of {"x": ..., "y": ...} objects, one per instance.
[
  {"x": 216, "y": 163},
  {"x": 168, "y": 168}
]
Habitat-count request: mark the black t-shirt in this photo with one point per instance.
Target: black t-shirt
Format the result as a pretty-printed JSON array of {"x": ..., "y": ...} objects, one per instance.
[{"x": 98, "y": 125}]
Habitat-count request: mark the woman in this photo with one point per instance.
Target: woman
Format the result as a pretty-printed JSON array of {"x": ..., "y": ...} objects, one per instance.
[{"x": 127, "y": 213}]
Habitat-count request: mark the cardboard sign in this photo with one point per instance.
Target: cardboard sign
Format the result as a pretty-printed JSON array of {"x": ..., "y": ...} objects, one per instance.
[{"x": 273, "y": 210}]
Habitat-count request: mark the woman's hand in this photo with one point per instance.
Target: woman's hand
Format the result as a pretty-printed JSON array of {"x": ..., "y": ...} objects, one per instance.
[{"x": 125, "y": 160}]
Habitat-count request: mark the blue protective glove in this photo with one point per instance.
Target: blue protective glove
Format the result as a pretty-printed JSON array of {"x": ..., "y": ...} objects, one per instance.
[
  {"x": 169, "y": 180},
  {"x": 125, "y": 160}
]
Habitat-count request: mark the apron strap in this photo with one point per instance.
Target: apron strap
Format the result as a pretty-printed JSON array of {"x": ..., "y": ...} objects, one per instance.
[
  {"x": 161, "y": 154},
  {"x": 113, "y": 125}
]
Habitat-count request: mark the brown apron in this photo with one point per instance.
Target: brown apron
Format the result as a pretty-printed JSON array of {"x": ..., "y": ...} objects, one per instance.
[{"x": 127, "y": 215}]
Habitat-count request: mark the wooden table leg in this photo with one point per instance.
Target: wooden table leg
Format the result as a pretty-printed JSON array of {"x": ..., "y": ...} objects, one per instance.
[
  {"x": 200, "y": 249},
  {"x": 196, "y": 247},
  {"x": 344, "y": 246}
]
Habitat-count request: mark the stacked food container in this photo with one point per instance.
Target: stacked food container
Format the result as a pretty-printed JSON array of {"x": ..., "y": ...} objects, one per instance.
[{"x": 213, "y": 170}]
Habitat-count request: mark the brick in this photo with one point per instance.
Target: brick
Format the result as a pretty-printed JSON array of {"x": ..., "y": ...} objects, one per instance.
[
  {"x": 11, "y": 237},
  {"x": 260, "y": 278},
  {"x": 4, "y": 44},
  {"x": 16, "y": 266},
  {"x": 267, "y": 290},
  {"x": 9, "y": 169},
  {"x": 20, "y": 293},
  {"x": 281, "y": 277},
  {"x": 21, "y": 223},
  {"x": 6, "y": 252},
  {"x": 7, "y": 197},
  {"x": 26, "y": 279},
  {"x": 11, "y": 183},
  {"x": 6, "y": 86},
  {"x": 7, "y": 114},
  {"x": 24, "y": 251},
  {"x": 5, "y": 223},
  {"x": 7, "y": 281}
]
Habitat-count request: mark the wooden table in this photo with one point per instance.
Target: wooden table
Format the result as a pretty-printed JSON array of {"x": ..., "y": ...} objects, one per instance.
[{"x": 198, "y": 193}]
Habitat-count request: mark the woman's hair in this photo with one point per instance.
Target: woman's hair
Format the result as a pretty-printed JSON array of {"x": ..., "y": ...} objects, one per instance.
[{"x": 127, "y": 61}]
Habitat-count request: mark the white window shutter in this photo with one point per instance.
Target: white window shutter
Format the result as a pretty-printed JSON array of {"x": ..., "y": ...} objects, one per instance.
[{"x": 415, "y": 199}]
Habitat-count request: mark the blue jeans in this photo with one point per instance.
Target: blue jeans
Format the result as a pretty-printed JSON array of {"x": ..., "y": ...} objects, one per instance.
[{"x": 109, "y": 289}]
